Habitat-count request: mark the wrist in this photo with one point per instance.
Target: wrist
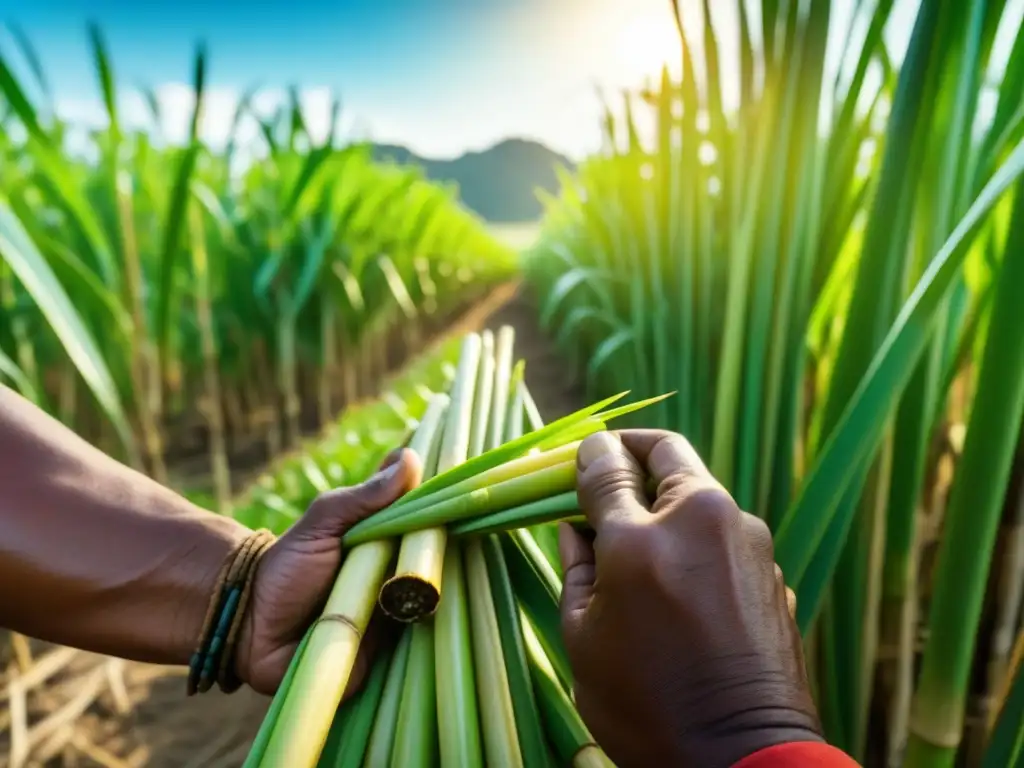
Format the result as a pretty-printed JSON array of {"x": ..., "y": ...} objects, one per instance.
[
  {"x": 728, "y": 726},
  {"x": 725, "y": 747},
  {"x": 211, "y": 546}
]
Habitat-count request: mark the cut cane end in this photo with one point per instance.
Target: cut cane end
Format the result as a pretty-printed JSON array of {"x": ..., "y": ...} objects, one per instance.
[{"x": 409, "y": 598}]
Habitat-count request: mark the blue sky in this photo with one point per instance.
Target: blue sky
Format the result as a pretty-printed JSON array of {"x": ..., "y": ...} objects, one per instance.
[{"x": 441, "y": 76}]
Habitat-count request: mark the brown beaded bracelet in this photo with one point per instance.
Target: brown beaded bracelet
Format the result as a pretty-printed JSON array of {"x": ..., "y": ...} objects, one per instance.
[{"x": 213, "y": 659}]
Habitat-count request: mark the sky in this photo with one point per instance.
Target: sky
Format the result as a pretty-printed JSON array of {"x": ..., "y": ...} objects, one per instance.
[{"x": 439, "y": 76}]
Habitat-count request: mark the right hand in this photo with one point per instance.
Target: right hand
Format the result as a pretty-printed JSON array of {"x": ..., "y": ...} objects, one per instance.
[{"x": 677, "y": 622}]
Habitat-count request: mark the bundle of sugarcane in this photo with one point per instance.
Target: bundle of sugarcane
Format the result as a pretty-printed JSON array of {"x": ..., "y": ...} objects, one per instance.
[{"x": 480, "y": 675}]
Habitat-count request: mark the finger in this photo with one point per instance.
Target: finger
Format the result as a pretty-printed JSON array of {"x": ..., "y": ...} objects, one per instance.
[
  {"x": 670, "y": 460},
  {"x": 609, "y": 482},
  {"x": 578, "y": 567},
  {"x": 391, "y": 459},
  {"x": 788, "y": 594},
  {"x": 334, "y": 512}
]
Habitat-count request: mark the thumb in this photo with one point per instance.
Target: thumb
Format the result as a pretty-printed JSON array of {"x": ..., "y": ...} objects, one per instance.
[
  {"x": 609, "y": 482},
  {"x": 331, "y": 514},
  {"x": 579, "y": 570}
]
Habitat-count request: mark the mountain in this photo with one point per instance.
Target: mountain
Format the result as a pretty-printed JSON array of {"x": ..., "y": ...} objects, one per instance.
[{"x": 499, "y": 183}]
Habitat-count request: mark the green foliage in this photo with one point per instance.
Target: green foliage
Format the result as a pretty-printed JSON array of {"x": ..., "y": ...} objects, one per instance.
[
  {"x": 813, "y": 269},
  {"x": 150, "y": 280}
]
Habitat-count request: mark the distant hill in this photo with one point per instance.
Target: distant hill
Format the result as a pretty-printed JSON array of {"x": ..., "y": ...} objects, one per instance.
[{"x": 499, "y": 183}]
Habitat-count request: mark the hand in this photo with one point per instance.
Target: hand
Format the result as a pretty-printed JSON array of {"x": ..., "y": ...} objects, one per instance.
[
  {"x": 298, "y": 571},
  {"x": 675, "y": 617}
]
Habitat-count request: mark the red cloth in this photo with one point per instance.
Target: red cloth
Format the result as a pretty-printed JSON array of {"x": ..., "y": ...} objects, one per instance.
[{"x": 798, "y": 754}]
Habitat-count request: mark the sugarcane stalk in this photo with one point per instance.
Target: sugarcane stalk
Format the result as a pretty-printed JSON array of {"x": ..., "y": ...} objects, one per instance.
[
  {"x": 572, "y": 741},
  {"x": 503, "y": 352},
  {"x": 553, "y": 480},
  {"x": 532, "y": 742},
  {"x": 538, "y": 590},
  {"x": 564, "y": 506},
  {"x": 143, "y": 360},
  {"x": 458, "y": 715},
  {"x": 416, "y": 735},
  {"x": 385, "y": 724},
  {"x": 211, "y": 382},
  {"x": 511, "y": 470},
  {"x": 328, "y": 348},
  {"x": 545, "y": 533},
  {"x": 484, "y": 396},
  {"x": 516, "y": 406},
  {"x": 555, "y": 435},
  {"x": 497, "y": 714},
  {"x": 350, "y": 732},
  {"x": 413, "y": 593},
  {"x": 326, "y": 665},
  {"x": 259, "y": 744}
]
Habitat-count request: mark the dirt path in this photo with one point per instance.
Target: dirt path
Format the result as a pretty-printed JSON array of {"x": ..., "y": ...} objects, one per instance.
[{"x": 165, "y": 730}]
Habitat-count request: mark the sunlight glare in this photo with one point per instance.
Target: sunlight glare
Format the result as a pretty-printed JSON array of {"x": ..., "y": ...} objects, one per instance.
[{"x": 646, "y": 44}]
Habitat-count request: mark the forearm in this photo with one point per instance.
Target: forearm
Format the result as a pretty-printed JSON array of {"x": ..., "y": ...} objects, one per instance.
[{"x": 95, "y": 555}]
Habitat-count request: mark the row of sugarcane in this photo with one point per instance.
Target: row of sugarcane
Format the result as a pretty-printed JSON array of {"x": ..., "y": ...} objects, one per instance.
[
  {"x": 480, "y": 675},
  {"x": 171, "y": 303},
  {"x": 828, "y": 272},
  {"x": 350, "y": 449}
]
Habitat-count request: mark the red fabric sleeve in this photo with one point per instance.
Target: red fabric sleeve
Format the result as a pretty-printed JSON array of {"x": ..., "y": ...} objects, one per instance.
[{"x": 798, "y": 754}]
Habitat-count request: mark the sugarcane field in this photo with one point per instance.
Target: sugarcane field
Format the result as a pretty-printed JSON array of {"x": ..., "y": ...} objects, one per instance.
[{"x": 521, "y": 385}]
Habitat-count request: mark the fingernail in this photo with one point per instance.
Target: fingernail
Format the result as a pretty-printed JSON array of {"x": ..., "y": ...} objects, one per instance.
[
  {"x": 389, "y": 472},
  {"x": 597, "y": 446}
]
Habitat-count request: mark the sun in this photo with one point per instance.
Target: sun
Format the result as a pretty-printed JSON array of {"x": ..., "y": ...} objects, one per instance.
[{"x": 645, "y": 45}]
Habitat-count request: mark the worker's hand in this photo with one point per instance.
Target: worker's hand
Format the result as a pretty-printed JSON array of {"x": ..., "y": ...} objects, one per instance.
[
  {"x": 298, "y": 571},
  {"x": 675, "y": 616}
]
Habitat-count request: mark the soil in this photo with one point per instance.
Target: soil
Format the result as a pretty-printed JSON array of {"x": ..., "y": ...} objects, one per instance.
[{"x": 162, "y": 727}]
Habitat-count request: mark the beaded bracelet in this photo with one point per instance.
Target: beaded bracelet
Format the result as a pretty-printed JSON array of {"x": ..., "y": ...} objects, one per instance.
[{"x": 212, "y": 661}]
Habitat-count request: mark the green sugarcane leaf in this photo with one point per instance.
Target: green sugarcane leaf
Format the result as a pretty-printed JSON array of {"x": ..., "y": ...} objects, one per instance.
[
  {"x": 36, "y": 275},
  {"x": 859, "y": 430}
]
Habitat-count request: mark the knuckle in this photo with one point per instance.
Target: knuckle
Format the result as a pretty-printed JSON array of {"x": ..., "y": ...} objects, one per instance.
[
  {"x": 760, "y": 537},
  {"x": 710, "y": 509},
  {"x": 605, "y": 480}
]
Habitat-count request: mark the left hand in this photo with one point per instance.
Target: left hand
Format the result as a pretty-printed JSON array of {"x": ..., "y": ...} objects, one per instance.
[{"x": 296, "y": 575}]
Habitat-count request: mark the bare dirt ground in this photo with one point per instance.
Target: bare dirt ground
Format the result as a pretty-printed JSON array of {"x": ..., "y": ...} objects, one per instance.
[{"x": 164, "y": 729}]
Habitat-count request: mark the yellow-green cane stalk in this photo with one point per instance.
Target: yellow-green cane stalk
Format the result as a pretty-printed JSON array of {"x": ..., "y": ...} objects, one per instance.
[
  {"x": 972, "y": 521},
  {"x": 565, "y": 506},
  {"x": 508, "y": 471},
  {"x": 458, "y": 717},
  {"x": 385, "y": 724},
  {"x": 572, "y": 741},
  {"x": 538, "y": 590},
  {"x": 516, "y": 403},
  {"x": 532, "y": 742},
  {"x": 503, "y": 353},
  {"x": 458, "y": 714},
  {"x": 414, "y": 591},
  {"x": 554, "y": 480},
  {"x": 552, "y": 436},
  {"x": 326, "y": 664},
  {"x": 259, "y": 745},
  {"x": 484, "y": 396},
  {"x": 350, "y": 732},
  {"x": 413, "y": 560},
  {"x": 416, "y": 736},
  {"x": 497, "y": 714}
]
